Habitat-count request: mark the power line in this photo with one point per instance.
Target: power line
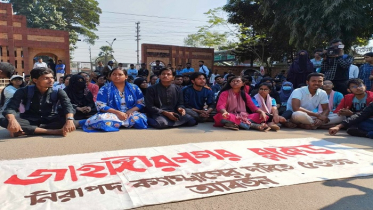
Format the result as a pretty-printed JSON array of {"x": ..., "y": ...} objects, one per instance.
[{"x": 153, "y": 16}]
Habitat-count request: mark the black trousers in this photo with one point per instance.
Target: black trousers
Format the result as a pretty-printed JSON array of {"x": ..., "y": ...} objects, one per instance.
[
  {"x": 29, "y": 125},
  {"x": 160, "y": 121}
]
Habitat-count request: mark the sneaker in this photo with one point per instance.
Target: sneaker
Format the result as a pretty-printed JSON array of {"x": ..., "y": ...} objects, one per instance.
[{"x": 357, "y": 132}]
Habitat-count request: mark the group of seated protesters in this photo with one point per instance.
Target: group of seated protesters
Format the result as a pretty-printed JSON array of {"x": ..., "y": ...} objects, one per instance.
[{"x": 234, "y": 104}]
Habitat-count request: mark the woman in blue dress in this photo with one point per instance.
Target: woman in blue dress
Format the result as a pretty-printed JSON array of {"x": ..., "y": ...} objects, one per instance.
[{"x": 119, "y": 104}]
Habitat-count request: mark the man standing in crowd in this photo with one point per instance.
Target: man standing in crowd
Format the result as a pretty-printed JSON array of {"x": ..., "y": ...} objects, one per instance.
[
  {"x": 27, "y": 79},
  {"x": 353, "y": 72},
  {"x": 336, "y": 66},
  {"x": 143, "y": 72},
  {"x": 132, "y": 71},
  {"x": 165, "y": 103},
  {"x": 304, "y": 100},
  {"x": 188, "y": 70},
  {"x": 40, "y": 63},
  {"x": 108, "y": 69},
  {"x": 366, "y": 70},
  {"x": 120, "y": 66},
  {"x": 212, "y": 78},
  {"x": 41, "y": 115},
  {"x": 203, "y": 69},
  {"x": 178, "y": 81},
  {"x": 60, "y": 70},
  {"x": 179, "y": 70},
  {"x": 6, "y": 70},
  {"x": 52, "y": 66},
  {"x": 317, "y": 61},
  {"x": 157, "y": 68},
  {"x": 196, "y": 96},
  {"x": 100, "y": 67}
]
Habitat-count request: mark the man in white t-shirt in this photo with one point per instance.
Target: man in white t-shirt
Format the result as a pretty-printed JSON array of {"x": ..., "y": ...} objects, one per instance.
[
  {"x": 40, "y": 64},
  {"x": 306, "y": 99}
]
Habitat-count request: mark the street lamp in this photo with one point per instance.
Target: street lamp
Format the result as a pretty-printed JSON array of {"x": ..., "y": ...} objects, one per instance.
[{"x": 111, "y": 46}]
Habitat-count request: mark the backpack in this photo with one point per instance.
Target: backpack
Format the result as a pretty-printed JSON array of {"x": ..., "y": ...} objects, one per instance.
[{"x": 30, "y": 95}]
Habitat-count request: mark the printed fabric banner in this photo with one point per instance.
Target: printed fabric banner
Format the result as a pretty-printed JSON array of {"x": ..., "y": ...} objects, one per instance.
[{"x": 146, "y": 176}]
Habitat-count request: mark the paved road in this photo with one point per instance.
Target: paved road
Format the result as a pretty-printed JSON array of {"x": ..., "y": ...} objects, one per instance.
[{"x": 353, "y": 193}]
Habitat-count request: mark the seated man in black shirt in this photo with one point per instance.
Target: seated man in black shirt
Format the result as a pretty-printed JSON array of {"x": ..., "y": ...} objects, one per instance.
[
  {"x": 40, "y": 102},
  {"x": 165, "y": 103}
]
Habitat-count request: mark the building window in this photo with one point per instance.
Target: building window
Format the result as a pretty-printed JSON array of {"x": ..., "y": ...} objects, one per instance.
[
  {"x": 23, "y": 64},
  {"x": 15, "y": 53},
  {"x": 22, "y": 53},
  {"x": 15, "y": 64}
]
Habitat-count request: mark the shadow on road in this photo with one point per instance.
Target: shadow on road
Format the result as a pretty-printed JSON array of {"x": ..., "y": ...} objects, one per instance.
[{"x": 355, "y": 202}]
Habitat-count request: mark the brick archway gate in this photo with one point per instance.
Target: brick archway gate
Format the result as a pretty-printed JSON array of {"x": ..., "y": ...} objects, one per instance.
[{"x": 19, "y": 44}]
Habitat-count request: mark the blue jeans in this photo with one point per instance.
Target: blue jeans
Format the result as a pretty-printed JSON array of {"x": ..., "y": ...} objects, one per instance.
[{"x": 367, "y": 126}]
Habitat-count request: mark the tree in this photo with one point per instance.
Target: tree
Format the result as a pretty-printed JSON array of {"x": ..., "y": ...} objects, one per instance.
[
  {"x": 306, "y": 24},
  {"x": 106, "y": 53},
  {"x": 206, "y": 37},
  {"x": 79, "y": 17},
  {"x": 257, "y": 38}
]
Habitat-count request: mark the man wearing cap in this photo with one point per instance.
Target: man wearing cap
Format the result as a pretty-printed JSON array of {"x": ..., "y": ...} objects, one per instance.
[
  {"x": 6, "y": 70},
  {"x": 40, "y": 63},
  {"x": 143, "y": 72},
  {"x": 366, "y": 71}
]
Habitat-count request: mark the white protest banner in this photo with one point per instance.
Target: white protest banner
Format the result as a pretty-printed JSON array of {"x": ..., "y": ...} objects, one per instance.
[{"x": 131, "y": 178}]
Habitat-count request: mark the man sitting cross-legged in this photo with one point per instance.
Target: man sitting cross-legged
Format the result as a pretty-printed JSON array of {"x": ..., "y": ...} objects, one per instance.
[
  {"x": 165, "y": 103},
  {"x": 196, "y": 96},
  {"x": 40, "y": 102},
  {"x": 306, "y": 99}
]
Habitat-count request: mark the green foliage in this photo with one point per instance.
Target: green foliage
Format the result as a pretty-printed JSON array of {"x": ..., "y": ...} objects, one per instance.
[
  {"x": 206, "y": 36},
  {"x": 79, "y": 17},
  {"x": 106, "y": 51},
  {"x": 306, "y": 24}
]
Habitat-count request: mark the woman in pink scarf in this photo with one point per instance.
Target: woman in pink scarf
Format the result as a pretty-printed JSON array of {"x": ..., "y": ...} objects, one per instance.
[
  {"x": 267, "y": 104},
  {"x": 232, "y": 107}
]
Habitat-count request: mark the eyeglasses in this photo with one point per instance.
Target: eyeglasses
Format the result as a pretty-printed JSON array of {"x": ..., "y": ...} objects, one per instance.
[
  {"x": 265, "y": 90},
  {"x": 356, "y": 86}
]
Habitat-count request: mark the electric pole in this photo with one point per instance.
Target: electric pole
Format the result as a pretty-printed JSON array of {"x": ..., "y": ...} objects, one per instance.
[
  {"x": 90, "y": 57},
  {"x": 138, "y": 41}
]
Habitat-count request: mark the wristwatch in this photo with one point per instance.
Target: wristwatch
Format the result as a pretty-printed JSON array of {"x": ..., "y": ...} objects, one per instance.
[{"x": 69, "y": 118}]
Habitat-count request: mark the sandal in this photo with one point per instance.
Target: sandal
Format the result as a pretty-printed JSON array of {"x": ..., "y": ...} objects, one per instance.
[{"x": 260, "y": 127}]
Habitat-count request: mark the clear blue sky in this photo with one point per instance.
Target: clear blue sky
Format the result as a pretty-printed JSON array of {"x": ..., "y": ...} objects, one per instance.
[{"x": 183, "y": 18}]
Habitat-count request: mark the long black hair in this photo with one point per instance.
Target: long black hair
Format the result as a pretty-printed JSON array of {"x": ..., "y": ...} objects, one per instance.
[{"x": 228, "y": 86}]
